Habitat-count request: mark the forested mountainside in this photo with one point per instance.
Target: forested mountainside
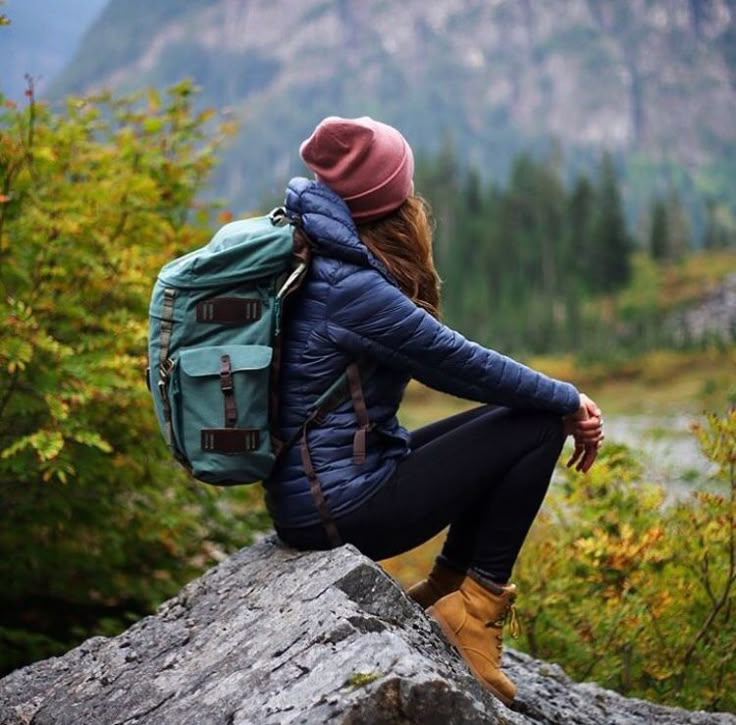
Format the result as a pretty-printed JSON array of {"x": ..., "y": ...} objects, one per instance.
[{"x": 654, "y": 80}]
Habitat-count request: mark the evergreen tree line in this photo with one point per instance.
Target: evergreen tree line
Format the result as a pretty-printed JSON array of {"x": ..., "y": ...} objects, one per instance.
[{"x": 521, "y": 262}]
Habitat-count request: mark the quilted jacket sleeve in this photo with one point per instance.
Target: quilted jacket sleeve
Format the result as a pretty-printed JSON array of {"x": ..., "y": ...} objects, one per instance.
[{"x": 366, "y": 315}]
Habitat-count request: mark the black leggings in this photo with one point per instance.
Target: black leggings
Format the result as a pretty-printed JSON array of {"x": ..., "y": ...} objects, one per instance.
[{"x": 483, "y": 472}]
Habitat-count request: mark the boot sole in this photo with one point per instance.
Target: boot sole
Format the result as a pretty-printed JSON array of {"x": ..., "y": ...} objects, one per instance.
[{"x": 452, "y": 639}]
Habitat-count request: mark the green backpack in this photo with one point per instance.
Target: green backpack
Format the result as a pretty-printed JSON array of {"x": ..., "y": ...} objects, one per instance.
[{"x": 213, "y": 349}]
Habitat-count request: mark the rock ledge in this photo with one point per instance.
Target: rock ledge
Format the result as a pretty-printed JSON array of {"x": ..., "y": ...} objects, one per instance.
[{"x": 275, "y": 636}]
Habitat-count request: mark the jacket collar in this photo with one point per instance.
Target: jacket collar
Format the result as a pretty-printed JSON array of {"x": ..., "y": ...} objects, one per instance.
[{"x": 326, "y": 219}]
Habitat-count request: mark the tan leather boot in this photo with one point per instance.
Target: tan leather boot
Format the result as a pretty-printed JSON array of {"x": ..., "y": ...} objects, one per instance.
[
  {"x": 439, "y": 582},
  {"x": 472, "y": 619}
]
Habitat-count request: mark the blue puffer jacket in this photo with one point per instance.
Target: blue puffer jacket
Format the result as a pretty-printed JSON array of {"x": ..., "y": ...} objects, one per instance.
[{"x": 349, "y": 308}]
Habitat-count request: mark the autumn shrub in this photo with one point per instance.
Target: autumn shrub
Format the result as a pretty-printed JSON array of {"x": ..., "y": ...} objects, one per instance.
[
  {"x": 627, "y": 587},
  {"x": 98, "y": 525}
]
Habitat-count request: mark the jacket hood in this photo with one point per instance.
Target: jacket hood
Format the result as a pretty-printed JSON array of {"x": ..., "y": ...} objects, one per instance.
[{"x": 326, "y": 219}]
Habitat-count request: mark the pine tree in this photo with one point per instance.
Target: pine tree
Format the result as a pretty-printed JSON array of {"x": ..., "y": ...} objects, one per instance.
[
  {"x": 611, "y": 242},
  {"x": 717, "y": 234},
  {"x": 577, "y": 255},
  {"x": 678, "y": 226},
  {"x": 669, "y": 234},
  {"x": 580, "y": 210},
  {"x": 659, "y": 235}
]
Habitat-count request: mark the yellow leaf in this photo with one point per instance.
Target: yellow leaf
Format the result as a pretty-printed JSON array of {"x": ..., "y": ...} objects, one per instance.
[{"x": 45, "y": 152}]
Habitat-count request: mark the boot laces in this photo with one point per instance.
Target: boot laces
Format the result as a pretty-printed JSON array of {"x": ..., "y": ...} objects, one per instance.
[{"x": 508, "y": 614}]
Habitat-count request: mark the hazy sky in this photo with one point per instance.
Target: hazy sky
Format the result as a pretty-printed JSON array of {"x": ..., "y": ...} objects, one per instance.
[{"x": 41, "y": 38}]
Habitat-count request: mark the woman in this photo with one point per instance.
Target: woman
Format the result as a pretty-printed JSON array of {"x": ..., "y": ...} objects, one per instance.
[{"x": 370, "y": 304}]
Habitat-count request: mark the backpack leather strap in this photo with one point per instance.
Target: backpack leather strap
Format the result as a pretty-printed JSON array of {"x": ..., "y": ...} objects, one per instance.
[
  {"x": 316, "y": 489},
  {"x": 165, "y": 364},
  {"x": 228, "y": 393},
  {"x": 167, "y": 324},
  {"x": 361, "y": 414},
  {"x": 327, "y": 401},
  {"x": 229, "y": 310}
]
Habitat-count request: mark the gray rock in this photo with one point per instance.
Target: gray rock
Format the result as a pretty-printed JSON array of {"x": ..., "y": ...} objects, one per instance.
[
  {"x": 272, "y": 636},
  {"x": 711, "y": 319}
]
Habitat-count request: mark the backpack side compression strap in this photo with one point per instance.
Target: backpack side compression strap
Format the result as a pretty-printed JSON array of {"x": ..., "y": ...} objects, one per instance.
[{"x": 164, "y": 364}]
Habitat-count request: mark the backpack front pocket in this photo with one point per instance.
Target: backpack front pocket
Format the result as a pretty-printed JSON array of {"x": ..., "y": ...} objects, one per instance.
[{"x": 219, "y": 399}]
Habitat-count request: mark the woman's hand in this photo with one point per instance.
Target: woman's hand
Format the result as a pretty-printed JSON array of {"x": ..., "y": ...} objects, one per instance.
[{"x": 586, "y": 427}]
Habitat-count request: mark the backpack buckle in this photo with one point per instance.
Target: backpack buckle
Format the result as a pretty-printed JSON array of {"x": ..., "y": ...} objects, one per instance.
[
  {"x": 226, "y": 377},
  {"x": 226, "y": 385},
  {"x": 279, "y": 217},
  {"x": 165, "y": 368},
  {"x": 292, "y": 280}
]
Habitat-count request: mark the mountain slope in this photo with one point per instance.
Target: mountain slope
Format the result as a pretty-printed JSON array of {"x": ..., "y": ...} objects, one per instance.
[{"x": 653, "y": 79}]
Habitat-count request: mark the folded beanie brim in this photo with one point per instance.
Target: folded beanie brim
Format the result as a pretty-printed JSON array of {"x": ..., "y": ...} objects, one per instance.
[{"x": 367, "y": 162}]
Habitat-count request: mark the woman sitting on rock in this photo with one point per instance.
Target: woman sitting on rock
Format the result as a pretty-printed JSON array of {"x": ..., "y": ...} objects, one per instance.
[{"x": 370, "y": 304}]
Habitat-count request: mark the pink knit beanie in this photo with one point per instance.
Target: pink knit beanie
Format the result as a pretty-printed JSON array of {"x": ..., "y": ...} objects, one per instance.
[{"x": 368, "y": 163}]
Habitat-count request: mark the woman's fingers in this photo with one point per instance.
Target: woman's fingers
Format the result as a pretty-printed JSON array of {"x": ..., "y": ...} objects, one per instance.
[
  {"x": 585, "y": 452},
  {"x": 588, "y": 459},
  {"x": 589, "y": 436},
  {"x": 576, "y": 454},
  {"x": 583, "y": 457},
  {"x": 586, "y": 427},
  {"x": 588, "y": 431},
  {"x": 588, "y": 424},
  {"x": 590, "y": 405}
]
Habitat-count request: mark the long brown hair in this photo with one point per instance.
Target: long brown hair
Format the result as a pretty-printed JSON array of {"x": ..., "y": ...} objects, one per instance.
[{"x": 403, "y": 242}]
